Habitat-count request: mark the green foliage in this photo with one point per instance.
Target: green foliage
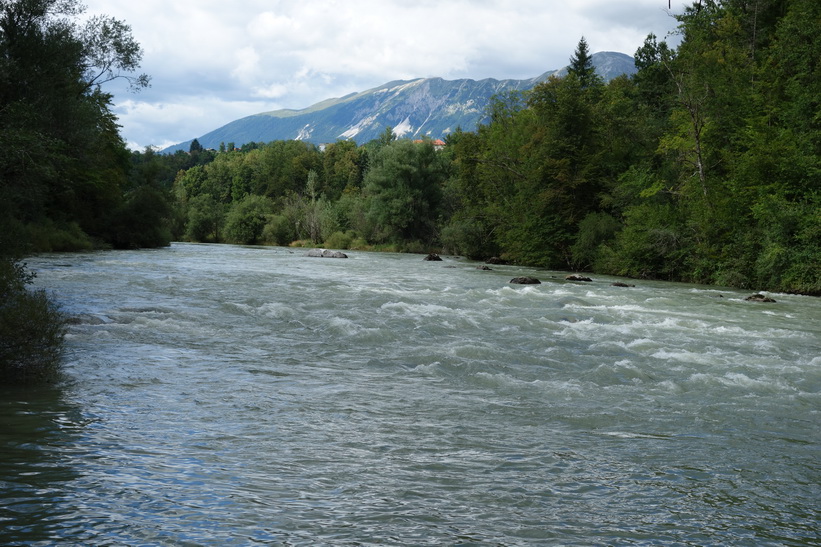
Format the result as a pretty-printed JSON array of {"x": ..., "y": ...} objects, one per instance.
[
  {"x": 48, "y": 236},
  {"x": 595, "y": 229},
  {"x": 704, "y": 166},
  {"x": 341, "y": 240},
  {"x": 63, "y": 164},
  {"x": 403, "y": 189},
  {"x": 279, "y": 230},
  {"x": 142, "y": 221},
  {"x": 469, "y": 237},
  {"x": 205, "y": 219},
  {"x": 247, "y": 218},
  {"x": 195, "y": 147},
  {"x": 581, "y": 65},
  {"x": 651, "y": 245},
  {"x": 31, "y": 329}
]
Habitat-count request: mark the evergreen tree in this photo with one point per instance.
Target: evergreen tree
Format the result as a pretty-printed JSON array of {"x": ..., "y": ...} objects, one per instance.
[{"x": 581, "y": 64}]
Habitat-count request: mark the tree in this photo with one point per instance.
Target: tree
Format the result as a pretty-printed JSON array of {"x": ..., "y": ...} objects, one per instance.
[
  {"x": 581, "y": 64},
  {"x": 204, "y": 219},
  {"x": 404, "y": 189},
  {"x": 110, "y": 53},
  {"x": 62, "y": 160},
  {"x": 195, "y": 146},
  {"x": 247, "y": 218}
]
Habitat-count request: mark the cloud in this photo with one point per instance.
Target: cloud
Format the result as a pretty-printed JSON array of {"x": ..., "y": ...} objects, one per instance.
[{"x": 214, "y": 61}]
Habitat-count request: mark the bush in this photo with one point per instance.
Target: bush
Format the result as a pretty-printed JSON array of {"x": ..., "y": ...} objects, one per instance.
[
  {"x": 278, "y": 231},
  {"x": 246, "y": 220},
  {"x": 50, "y": 237},
  {"x": 205, "y": 217},
  {"x": 594, "y": 230},
  {"x": 470, "y": 238},
  {"x": 340, "y": 240},
  {"x": 142, "y": 221},
  {"x": 31, "y": 329}
]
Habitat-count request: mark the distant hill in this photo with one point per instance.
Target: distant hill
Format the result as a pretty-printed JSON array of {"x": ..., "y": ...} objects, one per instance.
[{"x": 413, "y": 108}]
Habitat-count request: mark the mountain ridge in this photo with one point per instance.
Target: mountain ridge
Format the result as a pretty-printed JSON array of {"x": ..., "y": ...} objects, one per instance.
[{"x": 431, "y": 107}]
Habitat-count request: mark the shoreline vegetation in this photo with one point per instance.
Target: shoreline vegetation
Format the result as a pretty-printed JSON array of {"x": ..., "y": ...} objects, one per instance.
[{"x": 703, "y": 167}]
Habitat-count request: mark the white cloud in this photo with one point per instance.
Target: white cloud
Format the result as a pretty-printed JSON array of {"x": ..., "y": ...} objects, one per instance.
[{"x": 213, "y": 61}]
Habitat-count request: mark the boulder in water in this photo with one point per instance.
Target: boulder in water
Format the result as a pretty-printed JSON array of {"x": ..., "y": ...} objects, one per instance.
[
  {"x": 759, "y": 298},
  {"x": 433, "y": 257},
  {"x": 620, "y": 284},
  {"x": 325, "y": 253},
  {"x": 525, "y": 280},
  {"x": 577, "y": 277},
  {"x": 496, "y": 260}
]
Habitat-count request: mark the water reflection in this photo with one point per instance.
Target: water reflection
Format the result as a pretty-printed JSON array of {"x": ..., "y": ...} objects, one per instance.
[{"x": 36, "y": 427}]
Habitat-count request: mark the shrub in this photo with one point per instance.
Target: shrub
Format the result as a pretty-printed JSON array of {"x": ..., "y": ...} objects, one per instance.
[
  {"x": 247, "y": 218},
  {"x": 340, "y": 240},
  {"x": 31, "y": 329},
  {"x": 594, "y": 230},
  {"x": 205, "y": 218},
  {"x": 278, "y": 231},
  {"x": 142, "y": 221},
  {"x": 468, "y": 237},
  {"x": 48, "y": 236}
]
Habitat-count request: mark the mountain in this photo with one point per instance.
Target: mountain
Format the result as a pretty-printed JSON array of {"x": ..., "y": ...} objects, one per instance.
[{"x": 413, "y": 108}]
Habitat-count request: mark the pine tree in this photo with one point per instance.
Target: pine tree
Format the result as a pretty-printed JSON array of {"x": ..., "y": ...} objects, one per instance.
[{"x": 581, "y": 65}]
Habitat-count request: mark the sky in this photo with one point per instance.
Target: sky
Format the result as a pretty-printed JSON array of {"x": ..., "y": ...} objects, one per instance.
[{"x": 215, "y": 61}]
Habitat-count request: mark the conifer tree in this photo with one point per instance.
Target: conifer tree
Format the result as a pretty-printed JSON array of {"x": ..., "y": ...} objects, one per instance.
[{"x": 581, "y": 65}]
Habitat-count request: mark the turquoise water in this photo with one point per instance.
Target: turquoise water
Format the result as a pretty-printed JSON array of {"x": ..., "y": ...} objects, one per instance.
[{"x": 222, "y": 395}]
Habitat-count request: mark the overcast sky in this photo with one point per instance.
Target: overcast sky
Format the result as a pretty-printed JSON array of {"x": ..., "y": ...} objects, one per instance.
[{"x": 215, "y": 61}]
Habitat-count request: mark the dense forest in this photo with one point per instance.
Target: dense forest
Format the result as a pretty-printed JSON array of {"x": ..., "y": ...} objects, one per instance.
[{"x": 702, "y": 167}]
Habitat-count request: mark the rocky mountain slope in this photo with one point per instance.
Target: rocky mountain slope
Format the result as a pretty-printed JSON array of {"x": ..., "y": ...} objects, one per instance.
[{"x": 423, "y": 107}]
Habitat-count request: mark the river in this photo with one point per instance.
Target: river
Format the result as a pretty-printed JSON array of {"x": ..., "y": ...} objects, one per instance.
[{"x": 227, "y": 395}]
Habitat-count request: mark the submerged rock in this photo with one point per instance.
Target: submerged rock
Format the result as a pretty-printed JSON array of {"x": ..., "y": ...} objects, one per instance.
[
  {"x": 485, "y": 268},
  {"x": 620, "y": 284},
  {"x": 325, "y": 253},
  {"x": 496, "y": 260},
  {"x": 759, "y": 298},
  {"x": 577, "y": 277},
  {"x": 525, "y": 280}
]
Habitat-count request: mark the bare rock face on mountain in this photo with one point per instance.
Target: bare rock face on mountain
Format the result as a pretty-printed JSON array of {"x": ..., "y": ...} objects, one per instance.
[{"x": 431, "y": 107}]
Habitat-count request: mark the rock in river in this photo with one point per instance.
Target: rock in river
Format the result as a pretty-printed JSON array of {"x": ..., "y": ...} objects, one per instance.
[
  {"x": 759, "y": 298},
  {"x": 325, "y": 253},
  {"x": 524, "y": 280}
]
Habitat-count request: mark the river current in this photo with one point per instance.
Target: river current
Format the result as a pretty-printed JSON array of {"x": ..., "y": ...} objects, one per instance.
[{"x": 226, "y": 395}]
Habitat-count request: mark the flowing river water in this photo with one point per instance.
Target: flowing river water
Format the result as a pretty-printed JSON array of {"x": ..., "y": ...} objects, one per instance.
[{"x": 225, "y": 395}]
